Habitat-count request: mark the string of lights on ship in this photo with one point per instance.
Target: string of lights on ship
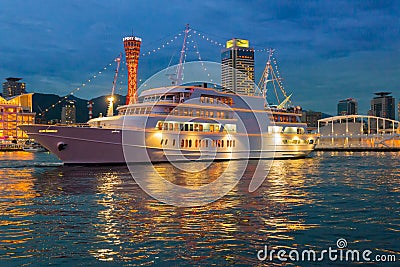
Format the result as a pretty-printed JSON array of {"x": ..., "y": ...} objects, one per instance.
[{"x": 191, "y": 41}]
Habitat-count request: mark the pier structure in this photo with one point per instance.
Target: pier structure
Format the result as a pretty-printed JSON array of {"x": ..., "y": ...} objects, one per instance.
[{"x": 358, "y": 132}]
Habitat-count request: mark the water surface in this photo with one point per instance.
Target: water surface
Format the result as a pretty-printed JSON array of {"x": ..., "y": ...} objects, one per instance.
[{"x": 98, "y": 215}]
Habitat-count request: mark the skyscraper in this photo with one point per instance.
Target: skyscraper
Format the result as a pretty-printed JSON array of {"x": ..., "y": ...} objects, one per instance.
[
  {"x": 383, "y": 105},
  {"x": 13, "y": 87},
  {"x": 347, "y": 106},
  {"x": 68, "y": 112},
  {"x": 238, "y": 67}
]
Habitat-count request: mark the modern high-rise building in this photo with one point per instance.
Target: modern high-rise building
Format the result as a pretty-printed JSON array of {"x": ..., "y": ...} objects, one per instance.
[
  {"x": 383, "y": 105},
  {"x": 238, "y": 67},
  {"x": 13, "y": 87},
  {"x": 347, "y": 106},
  {"x": 13, "y": 112},
  {"x": 68, "y": 112}
]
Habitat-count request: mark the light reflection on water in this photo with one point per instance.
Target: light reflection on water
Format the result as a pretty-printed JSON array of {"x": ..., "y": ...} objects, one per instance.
[{"x": 75, "y": 215}]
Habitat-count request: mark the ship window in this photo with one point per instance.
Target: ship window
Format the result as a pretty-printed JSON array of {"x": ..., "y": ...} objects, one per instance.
[
  {"x": 181, "y": 126},
  {"x": 234, "y": 143},
  {"x": 191, "y": 127},
  {"x": 182, "y": 143},
  {"x": 162, "y": 140},
  {"x": 190, "y": 143},
  {"x": 222, "y": 143},
  {"x": 198, "y": 113},
  {"x": 186, "y": 143},
  {"x": 186, "y": 127},
  {"x": 176, "y": 127},
  {"x": 211, "y": 128},
  {"x": 200, "y": 127},
  {"x": 196, "y": 143},
  {"x": 160, "y": 124},
  {"x": 217, "y": 128},
  {"x": 185, "y": 112},
  {"x": 211, "y": 100},
  {"x": 206, "y": 113},
  {"x": 196, "y": 127},
  {"x": 201, "y": 113},
  {"x": 173, "y": 142},
  {"x": 201, "y": 99},
  {"x": 171, "y": 126}
]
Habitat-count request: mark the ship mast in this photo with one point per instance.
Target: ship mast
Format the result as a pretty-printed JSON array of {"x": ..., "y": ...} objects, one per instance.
[
  {"x": 110, "y": 110},
  {"x": 269, "y": 71},
  {"x": 179, "y": 70}
]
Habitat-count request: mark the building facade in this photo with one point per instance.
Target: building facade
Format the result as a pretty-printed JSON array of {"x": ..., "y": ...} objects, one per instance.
[
  {"x": 13, "y": 87},
  {"x": 68, "y": 113},
  {"x": 383, "y": 105},
  {"x": 13, "y": 112},
  {"x": 311, "y": 118},
  {"x": 238, "y": 67},
  {"x": 398, "y": 111},
  {"x": 347, "y": 106}
]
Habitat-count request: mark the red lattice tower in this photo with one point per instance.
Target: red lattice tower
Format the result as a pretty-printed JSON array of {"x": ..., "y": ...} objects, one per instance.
[{"x": 132, "y": 51}]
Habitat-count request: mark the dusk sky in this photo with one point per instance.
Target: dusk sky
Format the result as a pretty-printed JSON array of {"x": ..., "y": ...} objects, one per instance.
[{"x": 327, "y": 50}]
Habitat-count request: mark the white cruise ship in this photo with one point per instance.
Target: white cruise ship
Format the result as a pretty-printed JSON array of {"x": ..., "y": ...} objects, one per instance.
[{"x": 179, "y": 123}]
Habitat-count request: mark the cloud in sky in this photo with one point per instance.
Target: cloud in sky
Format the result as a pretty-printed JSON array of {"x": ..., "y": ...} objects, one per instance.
[{"x": 328, "y": 50}]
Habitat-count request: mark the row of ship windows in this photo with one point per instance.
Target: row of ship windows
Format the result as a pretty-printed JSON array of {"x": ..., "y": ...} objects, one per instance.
[
  {"x": 297, "y": 142},
  {"x": 199, "y": 113},
  {"x": 184, "y": 112},
  {"x": 188, "y": 143},
  {"x": 194, "y": 127},
  {"x": 285, "y": 118},
  {"x": 217, "y": 100}
]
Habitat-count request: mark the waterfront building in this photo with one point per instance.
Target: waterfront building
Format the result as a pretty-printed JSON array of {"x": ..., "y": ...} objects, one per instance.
[
  {"x": 13, "y": 112},
  {"x": 68, "y": 112},
  {"x": 238, "y": 67},
  {"x": 13, "y": 87},
  {"x": 398, "y": 111},
  {"x": 383, "y": 105},
  {"x": 347, "y": 106},
  {"x": 311, "y": 118}
]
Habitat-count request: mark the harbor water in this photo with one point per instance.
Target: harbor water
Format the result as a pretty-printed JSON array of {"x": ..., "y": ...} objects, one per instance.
[{"x": 51, "y": 214}]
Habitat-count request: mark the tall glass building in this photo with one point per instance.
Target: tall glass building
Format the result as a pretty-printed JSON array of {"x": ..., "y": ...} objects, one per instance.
[
  {"x": 383, "y": 105},
  {"x": 238, "y": 67},
  {"x": 347, "y": 106}
]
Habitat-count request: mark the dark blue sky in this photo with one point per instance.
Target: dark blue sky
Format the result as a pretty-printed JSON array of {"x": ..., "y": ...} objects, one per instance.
[{"x": 327, "y": 50}]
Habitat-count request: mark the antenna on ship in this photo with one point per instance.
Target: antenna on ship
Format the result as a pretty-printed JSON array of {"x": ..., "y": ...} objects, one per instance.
[
  {"x": 110, "y": 109},
  {"x": 179, "y": 71}
]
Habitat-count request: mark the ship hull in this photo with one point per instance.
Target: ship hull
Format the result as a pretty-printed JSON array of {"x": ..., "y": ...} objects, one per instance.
[{"x": 91, "y": 145}]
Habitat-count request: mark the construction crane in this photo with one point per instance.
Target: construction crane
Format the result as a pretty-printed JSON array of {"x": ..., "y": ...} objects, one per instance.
[{"x": 110, "y": 109}]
